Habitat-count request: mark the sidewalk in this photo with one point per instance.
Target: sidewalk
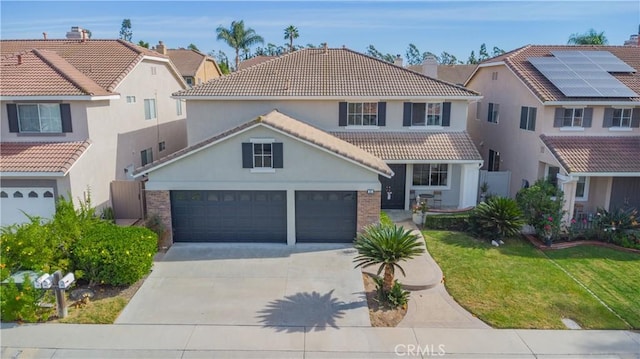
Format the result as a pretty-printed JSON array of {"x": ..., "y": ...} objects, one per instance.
[{"x": 198, "y": 341}]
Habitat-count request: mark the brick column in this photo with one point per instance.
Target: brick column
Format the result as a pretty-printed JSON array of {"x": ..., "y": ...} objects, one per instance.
[
  {"x": 159, "y": 203},
  {"x": 368, "y": 209}
]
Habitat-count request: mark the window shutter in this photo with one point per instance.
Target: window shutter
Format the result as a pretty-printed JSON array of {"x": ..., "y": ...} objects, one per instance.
[
  {"x": 608, "y": 118},
  {"x": 406, "y": 114},
  {"x": 587, "y": 117},
  {"x": 446, "y": 114},
  {"x": 524, "y": 111},
  {"x": 635, "y": 117},
  {"x": 247, "y": 155},
  {"x": 532, "y": 118},
  {"x": 12, "y": 114},
  {"x": 490, "y": 113},
  {"x": 65, "y": 114},
  {"x": 342, "y": 114},
  {"x": 557, "y": 118},
  {"x": 277, "y": 155},
  {"x": 382, "y": 113}
]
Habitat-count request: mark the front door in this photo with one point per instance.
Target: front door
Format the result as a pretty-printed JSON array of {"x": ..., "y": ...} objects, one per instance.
[{"x": 393, "y": 189}]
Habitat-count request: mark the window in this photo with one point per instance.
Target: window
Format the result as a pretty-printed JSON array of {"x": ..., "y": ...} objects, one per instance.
[
  {"x": 494, "y": 161},
  {"x": 149, "y": 109},
  {"x": 40, "y": 118},
  {"x": 189, "y": 80},
  {"x": 552, "y": 175},
  {"x": 262, "y": 155},
  {"x": 582, "y": 188},
  {"x": 362, "y": 114},
  {"x": 493, "y": 112},
  {"x": 179, "y": 107},
  {"x": 33, "y": 194},
  {"x": 621, "y": 117},
  {"x": 162, "y": 146},
  {"x": 131, "y": 99},
  {"x": 572, "y": 117},
  {"x": 434, "y": 175},
  {"x": 429, "y": 114},
  {"x": 146, "y": 156},
  {"x": 434, "y": 114},
  {"x": 528, "y": 118}
]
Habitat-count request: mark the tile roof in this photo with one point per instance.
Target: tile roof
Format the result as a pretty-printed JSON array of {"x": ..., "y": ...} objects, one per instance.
[
  {"x": 455, "y": 74},
  {"x": 423, "y": 145},
  {"x": 518, "y": 61},
  {"x": 595, "y": 154},
  {"x": 40, "y": 156},
  {"x": 295, "y": 128},
  {"x": 188, "y": 61},
  {"x": 327, "y": 73},
  {"x": 254, "y": 61},
  {"x": 105, "y": 62}
]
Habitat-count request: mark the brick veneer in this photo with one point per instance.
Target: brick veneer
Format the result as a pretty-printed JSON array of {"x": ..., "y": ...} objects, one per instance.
[
  {"x": 368, "y": 209},
  {"x": 159, "y": 202}
]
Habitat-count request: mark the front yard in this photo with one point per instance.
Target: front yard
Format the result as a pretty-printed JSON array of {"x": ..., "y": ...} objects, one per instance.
[{"x": 519, "y": 286}]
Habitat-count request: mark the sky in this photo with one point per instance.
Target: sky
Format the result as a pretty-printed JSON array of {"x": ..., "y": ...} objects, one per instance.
[{"x": 457, "y": 27}]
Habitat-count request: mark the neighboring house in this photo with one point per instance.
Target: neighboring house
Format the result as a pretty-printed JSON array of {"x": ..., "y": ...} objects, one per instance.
[
  {"x": 77, "y": 115},
  {"x": 309, "y": 146},
  {"x": 543, "y": 116},
  {"x": 194, "y": 66},
  {"x": 455, "y": 74},
  {"x": 254, "y": 61}
]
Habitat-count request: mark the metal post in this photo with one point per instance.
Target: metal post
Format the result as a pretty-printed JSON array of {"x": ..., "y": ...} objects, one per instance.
[{"x": 60, "y": 300}]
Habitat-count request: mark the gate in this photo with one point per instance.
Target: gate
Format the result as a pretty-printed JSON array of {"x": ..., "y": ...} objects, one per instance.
[
  {"x": 498, "y": 181},
  {"x": 126, "y": 198}
]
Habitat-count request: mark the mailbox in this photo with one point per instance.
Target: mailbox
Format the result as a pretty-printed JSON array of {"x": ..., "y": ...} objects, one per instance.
[
  {"x": 66, "y": 281},
  {"x": 43, "y": 282}
]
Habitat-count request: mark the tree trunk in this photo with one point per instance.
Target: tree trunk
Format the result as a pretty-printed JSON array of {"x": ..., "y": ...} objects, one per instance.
[
  {"x": 237, "y": 59},
  {"x": 387, "y": 282}
]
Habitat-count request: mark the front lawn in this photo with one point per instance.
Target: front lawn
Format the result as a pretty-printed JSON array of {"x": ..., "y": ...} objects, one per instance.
[{"x": 517, "y": 286}]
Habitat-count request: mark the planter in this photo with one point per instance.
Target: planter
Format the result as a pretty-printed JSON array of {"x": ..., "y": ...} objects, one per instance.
[
  {"x": 418, "y": 218},
  {"x": 547, "y": 241}
]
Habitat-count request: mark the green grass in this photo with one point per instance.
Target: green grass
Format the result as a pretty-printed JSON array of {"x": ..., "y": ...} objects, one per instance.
[
  {"x": 517, "y": 286},
  {"x": 103, "y": 311}
]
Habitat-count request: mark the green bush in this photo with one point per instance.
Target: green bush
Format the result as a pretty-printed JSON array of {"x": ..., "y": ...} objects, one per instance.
[
  {"x": 109, "y": 254},
  {"x": 26, "y": 246},
  {"x": 395, "y": 297},
  {"x": 449, "y": 222},
  {"x": 539, "y": 203},
  {"x": 497, "y": 218},
  {"x": 385, "y": 219},
  {"x": 21, "y": 303}
]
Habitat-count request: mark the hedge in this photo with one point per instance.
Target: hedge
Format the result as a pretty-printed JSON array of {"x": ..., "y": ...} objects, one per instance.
[{"x": 449, "y": 221}]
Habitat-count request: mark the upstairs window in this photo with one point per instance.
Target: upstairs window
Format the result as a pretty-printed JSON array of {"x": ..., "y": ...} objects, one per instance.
[
  {"x": 528, "y": 118},
  {"x": 493, "y": 112},
  {"x": 150, "y": 109},
  {"x": 622, "y": 117},
  {"x": 418, "y": 114},
  {"x": 131, "y": 99},
  {"x": 573, "y": 118},
  {"x": 262, "y": 155},
  {"x": 146, "y": 156},
  {"x": 362, "y": 114},
  {"x": 40, "y": 118}
]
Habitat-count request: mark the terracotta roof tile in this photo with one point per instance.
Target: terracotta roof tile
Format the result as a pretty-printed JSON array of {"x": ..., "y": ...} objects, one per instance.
[
  {"x": 437, "y": 146},
  {"x": 518, "y": 61},
  {"x": 589, "y": 154},
  {"x": 254, "y": 61},
  {"x": 330, "y": 73},
  {"x": 40, "y": 156},
  {"x": 187, "y": 61}
]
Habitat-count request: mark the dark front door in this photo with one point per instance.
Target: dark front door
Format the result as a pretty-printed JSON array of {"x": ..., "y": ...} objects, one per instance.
[
  {"x": 625, "y": 193},
  {"x": 326, "y": 216},
  {"x": 393, "y": 188}
]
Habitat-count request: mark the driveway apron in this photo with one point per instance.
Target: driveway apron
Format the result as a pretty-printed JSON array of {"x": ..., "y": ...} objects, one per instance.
[{"x": 307, "y": 286}]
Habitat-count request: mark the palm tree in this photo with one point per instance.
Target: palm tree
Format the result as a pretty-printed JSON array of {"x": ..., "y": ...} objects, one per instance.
[
  {"x": 290, "y": 33},
  {"x": 590, "y": 37},
  {"x": 386, "y": 245},
  {"x": 238, "y": 37}
]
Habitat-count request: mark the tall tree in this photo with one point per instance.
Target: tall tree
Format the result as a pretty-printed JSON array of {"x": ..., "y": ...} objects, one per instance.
[
  {"x": 472, "y": 58},
  {"x": 239, "y": 38},
  {"x": 222, "y": 60},
  {"x": 125, "y": 30},
  {"x": 193, "y": 46},
  {"x": 414, "y": 57},
  {"x": 448, "y": 59},
  {"x": 143, "y": 44},
  {"x": 591, "y": 37},
  {"x": 429, "y": 53},
  {"x": 483, "y": 54},
  {"x": 497, "y": 51},
  {"x": 290, "y": 33},
  {"x": 373, "y": 52}
]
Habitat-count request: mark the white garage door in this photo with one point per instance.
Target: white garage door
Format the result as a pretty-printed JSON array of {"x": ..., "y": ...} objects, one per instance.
[{"x": 36, "y": 201}]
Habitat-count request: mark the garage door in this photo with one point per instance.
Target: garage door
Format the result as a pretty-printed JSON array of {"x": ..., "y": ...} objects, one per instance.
[
  {"x": 37, "y": 201},
  {"x": 229, "y": 216},
  {"x": 326, "y": 216}
]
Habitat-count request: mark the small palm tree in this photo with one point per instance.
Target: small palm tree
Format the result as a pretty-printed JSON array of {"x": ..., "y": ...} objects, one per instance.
[
  {"x": 290, "y": 33},
  {"x": 499, "y": 216},
  {"x": 239, "y": 38},
  {"x": 387, "y": 246},
  {"x": 590, "y": 37}
]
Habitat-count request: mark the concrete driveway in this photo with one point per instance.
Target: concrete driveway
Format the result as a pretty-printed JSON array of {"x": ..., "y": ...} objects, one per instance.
[{"x": 299, "y": 288}]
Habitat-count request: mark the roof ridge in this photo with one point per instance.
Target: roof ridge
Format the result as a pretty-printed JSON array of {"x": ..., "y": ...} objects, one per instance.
[
  {"x": 124, "y": 73},
  {"x": 45, "y": 55}
]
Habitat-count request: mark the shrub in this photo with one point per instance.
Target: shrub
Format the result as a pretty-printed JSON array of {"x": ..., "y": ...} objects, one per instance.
[
  {"x": 114, "y": 255},
  {"x": 450, "y": 222},
  {"x": 385, "y": 219},
  {"x": 21, "y": 303},
  {"x": 26, "y": 246},
  {"x": 395, "y": 297},
  {"x": 539, "y": 203},
  {"x": 498, "y": 218}
]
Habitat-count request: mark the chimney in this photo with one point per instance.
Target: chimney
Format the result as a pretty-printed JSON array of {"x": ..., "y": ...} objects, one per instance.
[
  {"x": 325, "y": 47},
  {"x": 44, "y": 35},
  {"x": 430, "y": 67},
  {"x": 84, "y": 35},
  {"x": 75, "y": 33},
  {"x": 398, "y": 61},
  {"x": 160, "y": 48}
]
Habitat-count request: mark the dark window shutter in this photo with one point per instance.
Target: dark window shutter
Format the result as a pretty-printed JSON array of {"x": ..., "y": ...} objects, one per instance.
[
  {"x": 382, "y": 113},
  {"x": 532, "y": 118},
  {"x": 65, "y": 114},
  {"x": 524, "y": 111},
  {"x": 406, "y": 114},
  {"x": 342, "y": 114},
  {"x": 446, "y": 114},
  {"x": 490, "y": 113},
  {"x": 587, "y": 117},
  {"x": 277, "y": 155},
  {"x": 608, "y": 118},
  {"x": 12, "y": 114},
  {"x": 635, "y": 117},
  {"x": 247, "y": 155},
  {"x": 558, "y": 117}
]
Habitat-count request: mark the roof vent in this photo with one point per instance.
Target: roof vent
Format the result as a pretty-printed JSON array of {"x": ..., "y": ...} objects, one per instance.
[{"x": 44, "y": 35}]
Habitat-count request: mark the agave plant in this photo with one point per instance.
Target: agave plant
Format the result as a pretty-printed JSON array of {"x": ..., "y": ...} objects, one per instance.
[
  {"x": 386, "y": 245},
  {"x": 500, "y": 216}
]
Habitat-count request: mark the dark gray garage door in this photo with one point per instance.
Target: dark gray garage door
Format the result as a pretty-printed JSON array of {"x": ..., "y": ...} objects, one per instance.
[
  {"x": 229, "y": 216},
  {"x": 326, "y": 216}
]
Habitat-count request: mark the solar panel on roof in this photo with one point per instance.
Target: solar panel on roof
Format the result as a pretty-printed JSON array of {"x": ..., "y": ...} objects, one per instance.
[{"x": 604, "y": 59}]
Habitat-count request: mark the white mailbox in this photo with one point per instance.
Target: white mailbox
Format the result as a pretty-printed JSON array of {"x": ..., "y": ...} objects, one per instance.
[
  {"x": 66, "y": 281},
  {"x": 43, "y": 282}
]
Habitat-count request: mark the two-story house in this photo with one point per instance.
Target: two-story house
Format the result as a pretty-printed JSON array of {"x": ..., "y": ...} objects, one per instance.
[
  {"x": 307, "y": 147},
  {"x": 567, "y": 113},
  {"x": 194, "y": 66},
  {"x": 79, "y": 114}
]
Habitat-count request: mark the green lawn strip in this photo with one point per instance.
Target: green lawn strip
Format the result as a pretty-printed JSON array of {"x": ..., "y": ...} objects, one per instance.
[
  {"x": 515, "y": 285},
  {"x": 103, "y": 311},
  {"x": 612, "y": 275}
]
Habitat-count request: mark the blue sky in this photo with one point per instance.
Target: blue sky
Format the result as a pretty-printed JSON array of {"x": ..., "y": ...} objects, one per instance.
[{"x": 455, "y": 26}]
